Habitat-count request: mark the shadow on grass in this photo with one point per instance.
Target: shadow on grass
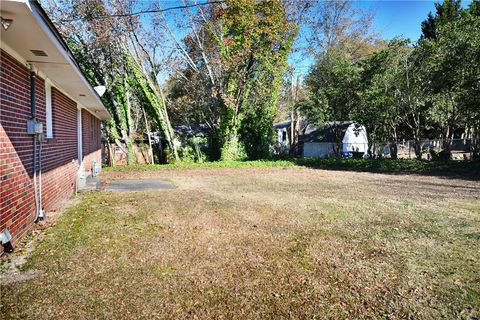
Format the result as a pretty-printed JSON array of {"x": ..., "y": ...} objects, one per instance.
[
  {"x": 456, "y": 169},
  {"x": 469, "y": 170}
]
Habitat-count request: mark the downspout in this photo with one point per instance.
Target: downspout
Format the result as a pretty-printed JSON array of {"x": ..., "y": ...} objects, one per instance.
[
  {"x": 37, "y": 131},
  {"x": 41, "y": 212}
]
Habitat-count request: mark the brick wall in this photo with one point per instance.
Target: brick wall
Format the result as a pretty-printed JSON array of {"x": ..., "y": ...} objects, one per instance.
[
  {"x": 16, "y": 198},
  {"x": 59, "y": 154},
  {"x": 91, "y": 140}
]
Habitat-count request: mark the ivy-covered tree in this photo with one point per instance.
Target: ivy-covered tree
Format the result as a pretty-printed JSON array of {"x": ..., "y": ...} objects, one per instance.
[
  {"x": 236, "y": 57},
  {"x": 105, "y": 48},
  {"x": 255, "y": 43}
]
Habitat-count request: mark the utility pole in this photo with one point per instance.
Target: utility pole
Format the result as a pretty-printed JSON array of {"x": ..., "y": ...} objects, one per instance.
[{"x": 294, "y": 114}]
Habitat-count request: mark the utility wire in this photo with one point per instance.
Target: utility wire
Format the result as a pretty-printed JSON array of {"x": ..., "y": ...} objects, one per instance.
[{"x": 145, "y": 11}]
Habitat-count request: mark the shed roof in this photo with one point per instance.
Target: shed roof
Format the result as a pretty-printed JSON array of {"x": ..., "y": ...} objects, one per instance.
[
  {"x": 282, "y": 124},
  {"x": 191, "y": 130},
  {"x": 324, "y": 132},
  {"x": 316, "y": 133}
]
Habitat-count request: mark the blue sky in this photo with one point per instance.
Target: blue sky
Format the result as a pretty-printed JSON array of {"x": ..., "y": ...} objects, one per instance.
[
  {"x": 392, "y": 19},
  {"x": 399, "y": 18}
]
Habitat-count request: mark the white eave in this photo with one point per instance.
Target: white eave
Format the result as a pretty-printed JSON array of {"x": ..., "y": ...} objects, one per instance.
[{"x": 32, "y": 30}]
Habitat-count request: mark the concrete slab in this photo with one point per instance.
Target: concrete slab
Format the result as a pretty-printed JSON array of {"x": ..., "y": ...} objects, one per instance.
[
  {"x": 137, "y": 185},
  {"x": 90, "y": 183}
]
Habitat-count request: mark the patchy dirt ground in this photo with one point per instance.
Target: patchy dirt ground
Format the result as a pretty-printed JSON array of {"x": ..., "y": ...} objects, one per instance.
[
  {"x": 261, "y": 243},
  {"x": 11, "y": 264}
]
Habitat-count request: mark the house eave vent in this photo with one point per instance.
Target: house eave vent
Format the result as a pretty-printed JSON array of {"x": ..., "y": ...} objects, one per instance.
[{"x": 39, "y": 53}]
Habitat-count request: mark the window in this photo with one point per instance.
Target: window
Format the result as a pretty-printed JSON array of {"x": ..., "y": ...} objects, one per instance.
[
  {"x": 284, "y": 135},
  {"x": 48, "y": 108}
]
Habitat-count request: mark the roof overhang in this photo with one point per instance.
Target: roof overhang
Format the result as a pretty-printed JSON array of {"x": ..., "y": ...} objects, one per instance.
[{"x": 31, "y": 30}]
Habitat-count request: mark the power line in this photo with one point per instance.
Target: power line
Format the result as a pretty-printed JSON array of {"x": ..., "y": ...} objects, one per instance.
[{"x": 145, "y": 11}]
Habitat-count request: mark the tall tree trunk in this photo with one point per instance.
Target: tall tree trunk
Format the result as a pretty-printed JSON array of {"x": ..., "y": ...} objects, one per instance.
[
  {"x": 127, "y": 136},
  {"x": 154, "y": 95},
  {"x": 147, "y": 128},
  {"x": 169, "y": 135},
  {"x": 394, "y": 145},
  {"x": 111, "y": 154}
]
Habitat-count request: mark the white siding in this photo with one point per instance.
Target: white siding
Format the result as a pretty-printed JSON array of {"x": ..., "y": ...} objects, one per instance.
[{"x": 318, "y": 149}]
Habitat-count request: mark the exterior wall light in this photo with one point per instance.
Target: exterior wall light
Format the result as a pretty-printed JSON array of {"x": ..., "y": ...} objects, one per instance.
[
  {"x": 100, "y": 90},
  {"x": 5, "y": 238},
  {"x": 6, "y": 23}
]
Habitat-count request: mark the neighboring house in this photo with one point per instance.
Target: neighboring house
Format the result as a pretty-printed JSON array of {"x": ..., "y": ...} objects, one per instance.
[
  {"x": 192, "y": 141},
  {"x": 49, "y": 120},
  {"x": 194, "y": 130},
  {"x": 321, "y": 141},
  {"x": 283, "y": 135}
]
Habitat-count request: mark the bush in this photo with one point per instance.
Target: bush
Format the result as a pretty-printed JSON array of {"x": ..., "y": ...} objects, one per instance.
[
  {"x": 233, "y": 150},
  {"x": 443, "y": 155}
]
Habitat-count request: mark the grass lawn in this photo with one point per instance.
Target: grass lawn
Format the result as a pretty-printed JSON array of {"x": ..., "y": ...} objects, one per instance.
[
  {"x": 279, "y": 242},
  {"x": 466, "y": 169}
]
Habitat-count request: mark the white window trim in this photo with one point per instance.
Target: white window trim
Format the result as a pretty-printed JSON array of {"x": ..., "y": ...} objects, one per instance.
[
  {"x": 79, "y": 138},
  {"x": 48, "y": 109}
]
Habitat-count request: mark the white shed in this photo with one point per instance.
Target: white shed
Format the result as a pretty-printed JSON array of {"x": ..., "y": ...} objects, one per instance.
[
  {"x": 355, "y": 140},
  {"x": 321, "y": 142}
]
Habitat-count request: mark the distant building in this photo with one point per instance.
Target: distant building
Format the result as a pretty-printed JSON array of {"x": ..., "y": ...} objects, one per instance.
[
  {"x": 330, "y": 139},
  {"x": 283, "y": 135},
  {"x": 195, "y": 130}
]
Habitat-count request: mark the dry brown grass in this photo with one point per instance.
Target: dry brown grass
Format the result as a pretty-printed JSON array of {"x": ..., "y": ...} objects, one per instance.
[{"x": 261, "y": 243}]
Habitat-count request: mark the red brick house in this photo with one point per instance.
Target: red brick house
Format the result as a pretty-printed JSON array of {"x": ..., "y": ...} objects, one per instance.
[{"x": 49, "y": 120}]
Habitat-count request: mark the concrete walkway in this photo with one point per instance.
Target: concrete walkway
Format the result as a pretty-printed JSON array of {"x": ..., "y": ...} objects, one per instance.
[{"x": 137, "y": 185}]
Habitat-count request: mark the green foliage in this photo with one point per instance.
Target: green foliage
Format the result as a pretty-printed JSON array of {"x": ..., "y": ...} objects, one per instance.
[
  {"x": 152, "y": 101},
  {"x": 378, "y": 104},
  {"x": 254, "y": 47},
  {"x": 332, "y": 84},
  {"x": 446, "y": 12},
  {"x": 470, "y": 168},
  {"x": 233, "y": 150},
  {"x": 193, "y": 149},
  {"x": 451, "y": 69},
  {"x": 187, "y": 154},
  {"x": 403, "y": 91},
  {"x": 212, "y": 164},
  {"x": 453, "y": 61},
  {"x": 236, "y": 83}
]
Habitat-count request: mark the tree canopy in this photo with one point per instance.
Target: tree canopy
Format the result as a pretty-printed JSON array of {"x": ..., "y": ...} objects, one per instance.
[{"x": 229, "y": 66}]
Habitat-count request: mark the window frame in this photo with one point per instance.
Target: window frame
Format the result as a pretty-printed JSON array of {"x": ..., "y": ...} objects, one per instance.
[{"x": 48, "y": 109}]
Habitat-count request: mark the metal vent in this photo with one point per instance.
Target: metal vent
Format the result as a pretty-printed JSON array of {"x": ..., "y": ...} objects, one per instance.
[{"x": 39, "y": 53}]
